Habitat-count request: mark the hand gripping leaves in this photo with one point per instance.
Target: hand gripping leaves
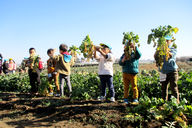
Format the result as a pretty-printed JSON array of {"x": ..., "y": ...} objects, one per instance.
[
  {"x": 74, "y": 51},
  {"x": 158, "y": 37},
  {"x": 129, "y": 37},
  {"x": 87, "y": 48},
  {"x": 33, "y": 62}
]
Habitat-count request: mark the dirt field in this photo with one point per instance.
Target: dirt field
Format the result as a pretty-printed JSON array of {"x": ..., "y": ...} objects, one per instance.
[{"x": 24, "y": 111}]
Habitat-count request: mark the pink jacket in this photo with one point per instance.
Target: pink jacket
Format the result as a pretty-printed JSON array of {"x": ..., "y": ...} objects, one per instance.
[{"x": 12, "y": 66}]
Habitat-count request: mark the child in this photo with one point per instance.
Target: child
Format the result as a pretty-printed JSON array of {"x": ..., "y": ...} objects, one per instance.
[
  {"x": 52, "y": 75},
  {"x": 34, "y": 72},
  {"x": 12, "y": 66},
  {"x": 169, "y": 72},
  {"x": 130, "y": 70},
  {"x": 64, "y": 61},
  {"x": 106, "y": 60},
  {"x": 1, "y": 63},
  {"x": 6, "y": 66},
  {"x": 23, "y": 65}
]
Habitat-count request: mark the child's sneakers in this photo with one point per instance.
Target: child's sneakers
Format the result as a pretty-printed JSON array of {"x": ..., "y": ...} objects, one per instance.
[
  {"x": 70, "y": 94},
  {"x": 50, "y": 94},
  {"x": 112, "y": 99},
  {"x": 135, "y": 102},
  {"x": 102, "y": 98},
  {"x": 57, "y": 95},
  {"x": 126, "y": 101}
]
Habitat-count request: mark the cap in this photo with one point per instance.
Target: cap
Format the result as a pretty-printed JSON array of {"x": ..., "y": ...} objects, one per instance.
[
  {"x": 106, "y": 45},
  {"x": 168, "y": 37}
]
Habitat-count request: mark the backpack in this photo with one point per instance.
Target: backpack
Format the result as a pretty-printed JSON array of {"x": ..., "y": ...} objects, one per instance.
[{"x": 40, "y": 65}]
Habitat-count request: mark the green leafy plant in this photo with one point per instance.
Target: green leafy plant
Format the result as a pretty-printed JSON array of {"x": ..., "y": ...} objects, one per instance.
[
  {"x": 158, "y": 38},
  {"x": 74, "y": 51},
  {"x": 43, "y": 88},
  {"x": 129, "y": 37},
  {"x": 87, "y": 48}
]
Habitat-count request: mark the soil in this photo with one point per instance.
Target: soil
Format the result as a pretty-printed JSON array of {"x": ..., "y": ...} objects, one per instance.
[{"x": 24, "y": 111}]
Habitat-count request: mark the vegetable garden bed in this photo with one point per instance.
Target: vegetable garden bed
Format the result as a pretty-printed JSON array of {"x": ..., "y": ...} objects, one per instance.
[{"x": 20, "y": 109}]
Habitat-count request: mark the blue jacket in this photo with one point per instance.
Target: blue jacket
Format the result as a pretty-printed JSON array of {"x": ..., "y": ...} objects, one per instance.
[
  {"x": 170, "y": 65},
  {"x": 131, "y": 66}
]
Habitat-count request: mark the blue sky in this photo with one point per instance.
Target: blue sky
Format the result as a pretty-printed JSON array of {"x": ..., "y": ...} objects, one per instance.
[{"x": 45, "y": 24}]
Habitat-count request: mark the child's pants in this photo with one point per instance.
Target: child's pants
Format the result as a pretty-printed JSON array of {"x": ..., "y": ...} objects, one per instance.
[
  {"x": 107, "y": 80},
  {"x": 127, "y": 79},
  {"x": 34, "y": 80},
  {"x": 57, "y": 82},
  {"x": 172, "y": 78},
  {"x": 55, "y": 78},
  {"x": 63, "y": 77}
]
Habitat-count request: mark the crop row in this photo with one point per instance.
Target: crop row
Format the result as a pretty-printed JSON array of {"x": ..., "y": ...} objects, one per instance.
[{"x": 87, "y": 86}]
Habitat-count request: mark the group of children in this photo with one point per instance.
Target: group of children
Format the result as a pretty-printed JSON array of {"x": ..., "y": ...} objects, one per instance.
[
  {"x": 58, "y": 67},
  {"x": 8, "y": 66},
  {"x": 130, "y": 71},
  {"x": 129, "y": 67}
]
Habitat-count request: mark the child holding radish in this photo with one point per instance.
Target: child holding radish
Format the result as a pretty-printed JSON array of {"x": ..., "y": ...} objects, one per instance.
[
  {"x": 52, "y": 74},
  {"x": 106, "y": 60},
  {"x": 165, "y": 57},
  {"x": 169, "y": 73},
  {"x": 34, "y": 71},
  {"x": 130, "y": 70},
  {"x": 64, "y": 61}
]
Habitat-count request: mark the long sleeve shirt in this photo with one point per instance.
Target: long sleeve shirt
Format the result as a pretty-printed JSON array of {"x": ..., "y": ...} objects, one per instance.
[{"x": 131, "y": 66}]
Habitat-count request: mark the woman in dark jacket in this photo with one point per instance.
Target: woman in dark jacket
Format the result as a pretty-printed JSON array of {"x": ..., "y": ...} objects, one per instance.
[{"x": 6, "y": 66}]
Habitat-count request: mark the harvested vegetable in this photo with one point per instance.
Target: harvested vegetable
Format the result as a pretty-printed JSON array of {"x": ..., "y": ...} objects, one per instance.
[
  {"x": 74, "y": 51},
  {"x": 87, "y": 48},
  {"x": 158, "y": 38},
  {"x": 130, "y": 37}
]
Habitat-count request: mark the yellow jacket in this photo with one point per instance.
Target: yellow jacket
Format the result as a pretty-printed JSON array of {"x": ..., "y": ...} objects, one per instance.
[{"x": 51, "y": 63}]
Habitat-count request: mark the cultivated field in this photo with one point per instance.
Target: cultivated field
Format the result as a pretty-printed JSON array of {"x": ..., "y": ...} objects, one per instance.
[{"x": 19, "y": 109}]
